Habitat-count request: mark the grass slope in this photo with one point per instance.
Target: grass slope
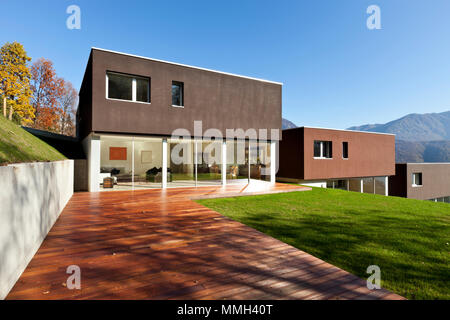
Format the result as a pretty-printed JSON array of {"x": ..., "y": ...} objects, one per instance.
[
  {"x": 408, "y": 239},
  {"x": 17, "y": 145}
]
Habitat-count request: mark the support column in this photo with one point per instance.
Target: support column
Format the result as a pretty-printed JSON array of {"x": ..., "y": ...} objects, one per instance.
[
  {"x": 374, "y": 185},
  {"x": 362, "y": 185},
  {"x": 195, "y": 160},
  {"x": 164, "y": 163},
  {"x": 132, "y": 163},
  {"x": 91, "y": 146},
  {"x": 348, "y": 184},
  {"x": 386, "y": 186},
  {"x": 224, "y": 162},
  {"x": 249, "y": 157},
  {"x": 273, "y": 164}
]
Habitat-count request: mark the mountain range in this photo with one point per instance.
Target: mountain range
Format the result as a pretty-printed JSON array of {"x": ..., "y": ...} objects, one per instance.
[
  {"x": 418, "y": 137},
  {"x": 414, "y": 127},
  {"x": 286, "y": 124}
]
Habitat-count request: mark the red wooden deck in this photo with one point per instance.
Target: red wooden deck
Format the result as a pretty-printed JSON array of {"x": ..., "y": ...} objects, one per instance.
[{"x": 158, "y": 244}]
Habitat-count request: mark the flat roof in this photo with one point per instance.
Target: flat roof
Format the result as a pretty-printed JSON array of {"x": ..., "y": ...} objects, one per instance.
[
  {"x": 185, "y": 65},
  {"x": 389, "y": 134},
  {"x": 408, "y": 163}
]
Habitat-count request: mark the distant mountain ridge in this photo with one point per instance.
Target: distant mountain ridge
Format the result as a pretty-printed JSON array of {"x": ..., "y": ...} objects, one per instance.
[
  {"x": 418, "y": 137},
  {"x": 286, "y": 124},
  {"x": 414, "y": 127},
  {"x": 422, "y": 151}
]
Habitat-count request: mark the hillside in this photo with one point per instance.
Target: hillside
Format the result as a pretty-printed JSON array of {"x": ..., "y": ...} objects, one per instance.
[
  {"x": 17, "y": 145},
  {"x": 414, "y": 127}
]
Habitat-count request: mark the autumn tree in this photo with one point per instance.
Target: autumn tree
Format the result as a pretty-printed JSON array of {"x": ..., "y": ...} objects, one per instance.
[
  {"x": 47, "y": 91},
  {"x": 15, "y": 81},
  {"x": 67, "y": 106}
]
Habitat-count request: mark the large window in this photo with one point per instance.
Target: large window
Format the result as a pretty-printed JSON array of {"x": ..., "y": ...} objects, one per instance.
[
  {"x": 126, "y": 87},
  {"x": 345, "y": 150},
  {"x": 323, "y": 149},
  {"x": 177, "y": 94},
  {"x": 417, "y": 179}
]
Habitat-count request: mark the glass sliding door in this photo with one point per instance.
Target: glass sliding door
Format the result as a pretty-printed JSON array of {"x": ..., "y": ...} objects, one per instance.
[
  {"x": 180, "y": 163},
  {"x": 260, "y": 160},
  {"x": 147, "y": 162},
  {"x": 237, "y": 168},
  {"x": 264, "y": 160},
  {"x": 209, "y": 164},
  {"x": 380, "y": 185},
  {"x": 368, "y": 186},
  {"x": 354, "y": 185},
  {"x": 116, "y": 162}
]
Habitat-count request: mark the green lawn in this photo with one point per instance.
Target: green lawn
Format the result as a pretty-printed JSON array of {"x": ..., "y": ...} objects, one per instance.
[
  {"x": 17, "y": 145},
  {"x": 408, "y": 239}
]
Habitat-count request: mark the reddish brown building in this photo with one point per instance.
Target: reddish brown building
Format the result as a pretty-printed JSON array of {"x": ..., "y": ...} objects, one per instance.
[
  {"x": 423, "y": 181},
  {"x": 350, "y": 160}
]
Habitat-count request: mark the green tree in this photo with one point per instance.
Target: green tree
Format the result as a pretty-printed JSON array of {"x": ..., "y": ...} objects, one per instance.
[{"x": 15, "y": 81}]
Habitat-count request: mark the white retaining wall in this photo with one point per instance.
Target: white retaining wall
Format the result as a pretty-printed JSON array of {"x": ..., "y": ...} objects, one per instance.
[{"x": 32, "y": 196}]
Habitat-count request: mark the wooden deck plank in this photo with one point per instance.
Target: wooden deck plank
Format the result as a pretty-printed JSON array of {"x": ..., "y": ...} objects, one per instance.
[{"x": 159, "y": 244}]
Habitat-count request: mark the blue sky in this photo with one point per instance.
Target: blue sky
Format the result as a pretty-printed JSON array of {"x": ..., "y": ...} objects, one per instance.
[{"x": 336, "y": 72}]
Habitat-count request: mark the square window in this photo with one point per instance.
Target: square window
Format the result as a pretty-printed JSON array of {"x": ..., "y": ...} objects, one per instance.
[
  {"x": 323, "y": 149},
  {"x": 177, "y": 93},
  {"x": 417, "y": 179}
]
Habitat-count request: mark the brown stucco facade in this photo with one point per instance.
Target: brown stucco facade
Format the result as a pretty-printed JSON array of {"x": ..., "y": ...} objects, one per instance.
[
  {"x": 435, "y": 181},
  {"x": 219, "y": 100},
  {"x": 369, "y": 154}
]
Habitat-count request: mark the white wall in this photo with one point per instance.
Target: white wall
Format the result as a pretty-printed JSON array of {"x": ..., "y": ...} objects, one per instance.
[
  {"x": 155, "y": 148},
  {"x": 32, "y": 196},
  {"x": 318, "y": 184},
  {"x": 91, "y": 146}
]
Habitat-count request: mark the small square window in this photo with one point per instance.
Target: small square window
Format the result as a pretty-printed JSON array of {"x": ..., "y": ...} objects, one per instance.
[
  {"x": 177, "y": 93},
  {"x": 323, "y": 149},
  {"x": 345, "y": 150},
  {"x": 417, "y": 179}
]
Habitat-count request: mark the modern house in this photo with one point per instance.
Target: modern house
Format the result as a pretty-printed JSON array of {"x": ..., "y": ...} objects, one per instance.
[
  {"x": 147, "y": 123},
  {"x": 344, "y": 159},
  {"x": 423, "y": 181}
]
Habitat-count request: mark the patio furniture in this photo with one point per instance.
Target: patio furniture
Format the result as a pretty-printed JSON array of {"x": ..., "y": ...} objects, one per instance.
[{"x": 108, "y": 182}]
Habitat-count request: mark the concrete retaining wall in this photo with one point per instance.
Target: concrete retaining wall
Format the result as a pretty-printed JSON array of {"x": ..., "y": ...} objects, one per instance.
[{"x": 32, "y": 196}]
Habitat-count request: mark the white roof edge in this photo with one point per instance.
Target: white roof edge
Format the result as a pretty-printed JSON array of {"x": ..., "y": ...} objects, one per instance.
[
  {"x": 408, "y": 163},
  {"x": 346, "y": 130},
  {"x": 186, "y": 65}
]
